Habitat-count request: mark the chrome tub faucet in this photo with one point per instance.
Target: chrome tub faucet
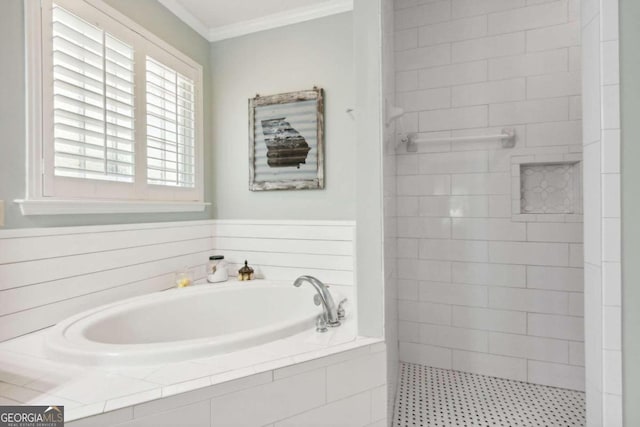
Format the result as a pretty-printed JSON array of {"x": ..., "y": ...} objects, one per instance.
[{"x": 330, "y": 315}]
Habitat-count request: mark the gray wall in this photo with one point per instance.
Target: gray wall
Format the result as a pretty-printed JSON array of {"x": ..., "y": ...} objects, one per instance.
[
  {"x": 630, "y": 109},
  {"x": 296, "y": 57},
  {"x": 148, "y": 13},
  {"x": 367, "y": 39}
]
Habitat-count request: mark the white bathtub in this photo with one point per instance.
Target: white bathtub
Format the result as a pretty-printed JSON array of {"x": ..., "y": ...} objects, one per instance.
[{"x": 182, "y": 324}]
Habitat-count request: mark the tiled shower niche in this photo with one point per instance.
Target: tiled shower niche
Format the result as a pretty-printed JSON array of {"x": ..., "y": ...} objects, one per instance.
[
  {"x": 549, "y": 188},
  {"x": 544, "y": 188}
]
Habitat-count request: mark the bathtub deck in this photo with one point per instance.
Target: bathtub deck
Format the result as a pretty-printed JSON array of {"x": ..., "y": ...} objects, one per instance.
[{"x": 27, "y": 376}]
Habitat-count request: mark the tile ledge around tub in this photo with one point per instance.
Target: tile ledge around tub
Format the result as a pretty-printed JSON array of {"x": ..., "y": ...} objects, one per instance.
[{"x": 313, "y": 359}]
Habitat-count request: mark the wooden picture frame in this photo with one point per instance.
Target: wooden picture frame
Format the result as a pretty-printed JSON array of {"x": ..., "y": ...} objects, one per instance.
[{"x": 286, "y": 141}]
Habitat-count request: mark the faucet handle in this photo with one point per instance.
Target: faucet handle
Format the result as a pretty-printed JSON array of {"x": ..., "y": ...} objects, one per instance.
[
  {"x": 321, "y": 323},
  {"x": 317, "y": 300},
  {"x": 341, "y": 311}
]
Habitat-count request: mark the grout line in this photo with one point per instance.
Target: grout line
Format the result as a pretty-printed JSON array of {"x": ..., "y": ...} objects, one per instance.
[
  {"x": 102, "y": 229},
  {"x": 57, "y": 279},
  {"x": 106, "y": 251}
]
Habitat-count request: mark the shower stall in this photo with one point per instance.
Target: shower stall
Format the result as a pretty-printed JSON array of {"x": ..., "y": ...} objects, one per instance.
[{"x": 501, "y": 179}]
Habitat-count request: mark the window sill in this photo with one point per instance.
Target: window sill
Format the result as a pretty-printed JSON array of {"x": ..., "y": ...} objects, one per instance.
[{"x": 74, "y": 207}]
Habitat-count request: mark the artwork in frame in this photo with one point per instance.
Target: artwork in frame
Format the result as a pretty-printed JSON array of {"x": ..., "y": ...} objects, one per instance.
[{"x": 286, "y": 141}]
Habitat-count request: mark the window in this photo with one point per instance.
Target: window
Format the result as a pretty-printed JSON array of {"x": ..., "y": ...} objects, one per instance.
[
  {"x": 93, "y": 101},
  {"x": 116, "y": 113},
  {"x": 170, "y": 126}
]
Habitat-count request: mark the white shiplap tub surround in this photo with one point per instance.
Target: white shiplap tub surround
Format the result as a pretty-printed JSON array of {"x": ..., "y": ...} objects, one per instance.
[
  {"x": 49, "y": 274},
  {"x": 46, "y": 275}
]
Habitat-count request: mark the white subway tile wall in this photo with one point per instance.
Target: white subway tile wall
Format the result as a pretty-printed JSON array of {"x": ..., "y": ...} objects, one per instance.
[
  {"x": 601, "y": 91},
  {"x": 480, "y": 291},
  {"x": 345, "y": 390}
]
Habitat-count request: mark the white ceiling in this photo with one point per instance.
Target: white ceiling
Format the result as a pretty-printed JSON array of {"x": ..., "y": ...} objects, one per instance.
[{"x": 220, "y": 19}]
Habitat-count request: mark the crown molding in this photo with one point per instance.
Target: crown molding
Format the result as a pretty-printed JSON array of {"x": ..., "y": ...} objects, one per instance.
[
  {"x": 185, "y": 16},
  {"x": 281, "y": 19},
  {"x": 276, "y": 20}
]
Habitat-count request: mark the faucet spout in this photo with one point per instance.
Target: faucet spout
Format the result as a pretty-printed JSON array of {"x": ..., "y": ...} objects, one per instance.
[{"x": 328, "y": 304}]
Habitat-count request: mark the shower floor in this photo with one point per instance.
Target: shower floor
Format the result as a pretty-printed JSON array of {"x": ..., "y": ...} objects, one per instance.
[{"x": 441, "y": 397}]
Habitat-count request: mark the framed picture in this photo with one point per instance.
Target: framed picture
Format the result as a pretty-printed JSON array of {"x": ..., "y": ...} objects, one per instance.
[{"x": 286, "y": 141}]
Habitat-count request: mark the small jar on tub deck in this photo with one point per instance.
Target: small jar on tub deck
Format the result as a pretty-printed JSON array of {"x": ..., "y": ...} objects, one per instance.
[{"x": 217, "y": 271}]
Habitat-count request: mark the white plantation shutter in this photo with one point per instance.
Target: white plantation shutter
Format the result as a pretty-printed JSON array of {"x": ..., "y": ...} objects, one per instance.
[
  {"x": 93, "y": 101},
  {"x": 170, "y": 126},
  {"x": 114, "y": 114}
]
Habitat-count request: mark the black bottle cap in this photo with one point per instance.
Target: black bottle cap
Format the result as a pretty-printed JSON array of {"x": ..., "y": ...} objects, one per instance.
[{"x": 216, "y": 257}]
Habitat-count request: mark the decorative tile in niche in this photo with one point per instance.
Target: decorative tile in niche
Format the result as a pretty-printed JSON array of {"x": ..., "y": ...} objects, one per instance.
[
  {"x": 550, "y": 188},
  {"x": 546, "y": 187}
]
